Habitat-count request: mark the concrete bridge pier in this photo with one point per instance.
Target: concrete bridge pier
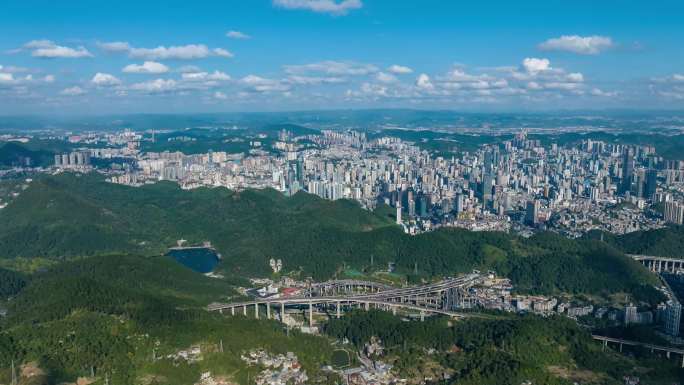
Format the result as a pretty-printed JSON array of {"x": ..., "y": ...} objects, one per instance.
[
  {"x": 232, "y": 310},
  {"x": 337, "y": 308},
  {"x": 282, "y": 312},
  {"x": 256, "y": 310},
  {"x": 244, "y": 310},
  {"x": 310, "y": 314},
  {"x": 422, "y": 316},
  {"x": 268, "y": 310}
]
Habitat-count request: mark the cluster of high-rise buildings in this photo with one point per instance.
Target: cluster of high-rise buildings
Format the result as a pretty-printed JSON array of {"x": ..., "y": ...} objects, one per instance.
[
  {"x": 519, "y": 183},
  {"x": 73, "y": 160}
]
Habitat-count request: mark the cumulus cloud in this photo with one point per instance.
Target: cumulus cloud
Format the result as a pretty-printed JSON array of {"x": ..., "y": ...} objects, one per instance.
[
  {"x": 184, "y": 52},
  {"x": 600, "y": 92},
  {"x": 670, "y": 87},
  {"x": 575, "y": 77},
  {"x": 155, "y": 86},
  {"x": 189, "y": 68},
  {"x": 220, "y": 95},
  {"x": 237, "y": 35},
  {"x": 423, "y": 82},
  {"x": 47, "y": 49},
  {"x": 103, "y": 79},
  {"x": 314, "y": 80},
  {"x": 583, "y": 45},
  {"x": 333, "y": 68},
  {"x": 205, "y": 76},
  {"x": 73, "y": 91},
  {"x": 674, "y": 78},
  {"x": 333, "y": 7},
  {"x": 148, "y": 67},
  {"x": 383, "y": 77},
  {"x": 534, "y": 65},
  {"x": 259, "y": 84},
  {"x": 399, "y": 70},
  {"x": 222, "y": 52},
  {"x": 6, "y": 78},
  {"x": 115, "y": 46}
]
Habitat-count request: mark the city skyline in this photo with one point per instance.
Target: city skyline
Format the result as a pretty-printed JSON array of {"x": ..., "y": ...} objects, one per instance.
[{"x": 285, "y": 55}]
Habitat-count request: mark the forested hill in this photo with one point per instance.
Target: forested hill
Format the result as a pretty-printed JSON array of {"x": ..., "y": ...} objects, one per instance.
[
  {"x": 71, "y": 215},
  {"x": 666, "y": 242}
]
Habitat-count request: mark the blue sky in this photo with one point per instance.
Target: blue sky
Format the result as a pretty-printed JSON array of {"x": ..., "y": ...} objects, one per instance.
[{"x": 180, "y": 56}]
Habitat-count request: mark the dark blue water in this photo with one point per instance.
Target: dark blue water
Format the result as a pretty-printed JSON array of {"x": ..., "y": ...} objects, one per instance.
[{"x": 201, "y": 260}]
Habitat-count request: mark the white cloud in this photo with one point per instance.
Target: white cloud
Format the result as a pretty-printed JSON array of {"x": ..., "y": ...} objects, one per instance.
[
  {"x": 534, "y": 86},
  {"x": 599, "y": 92},
  {"x": 222, "y": 52},
  {"x": 6, "y": 78},
  {"x": 333, "y": 68},
  {"x": 155, "y": 86},
  {"x": 34, "y": 44},
  {"x": 148, "y": 67},
  {"x": 575, "y": 77},
  {"x": 13, "y": 69},
  {"x": 189, "y": 68},
  {"x": 399, "y": 70},
  {"x": 259, "y": 84},
  {"x": 383, "y": 77},
  {"x": 220, "y": 95},
  {"x": 534, "y": 65},
  {"x": 49, "y": 50},
  {"x": 185, "y": 52},
  {"x": 205, "y": 76},
  {"x": 564, "y": 86},
  {"x": 73, "y": 91},
  {"x": 333, "y": 7},
  {"x": 314, "y": 80},
  {"x": 587, "y": 45},
  {"x": 115, "y": 46},
  {"x": 669, "y": 87},
  {"x": 103, "y": 79},
  {"x": 237, "y": 35},
  {"x": 423, "y": 82},
  {"x": 459, "y": 76}
]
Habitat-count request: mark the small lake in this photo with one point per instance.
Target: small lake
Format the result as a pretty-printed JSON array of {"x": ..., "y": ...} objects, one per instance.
[{"x": 202, "y": 260}]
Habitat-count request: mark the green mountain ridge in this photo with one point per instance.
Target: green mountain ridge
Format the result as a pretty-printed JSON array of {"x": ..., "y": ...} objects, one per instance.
[{"x": 72, "y": 215}]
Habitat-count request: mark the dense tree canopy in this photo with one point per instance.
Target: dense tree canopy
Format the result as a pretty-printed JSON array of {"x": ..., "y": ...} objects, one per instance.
[{"x": 71, "y": 216}]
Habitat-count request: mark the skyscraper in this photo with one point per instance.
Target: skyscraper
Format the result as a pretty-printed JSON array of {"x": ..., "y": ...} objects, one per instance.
[
  {"x": 674, "y": 213},
  {"x": 630, "y": 314},
  {"x": 651, "y": 183},
  {"x": 627, "y": 171},
  {"x": 486, "y": 189},
  {"x": 459, "y": 203},
  {"x": 532, "y": 212},
  {"x": 673, "y": 315}
]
